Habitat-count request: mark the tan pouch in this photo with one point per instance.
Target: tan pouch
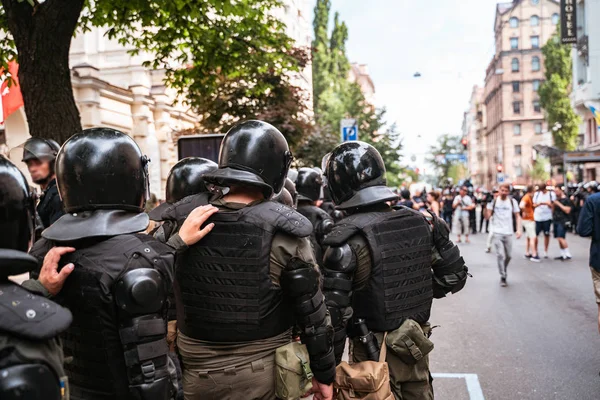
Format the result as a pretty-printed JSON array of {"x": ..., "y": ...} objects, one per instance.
[
  {"x": 409, "y": 342},
  {"x": 293, "y": 376},
  {"x": 367, "y": 380}
]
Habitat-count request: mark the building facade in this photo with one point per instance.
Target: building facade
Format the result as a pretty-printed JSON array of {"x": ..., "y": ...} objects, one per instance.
[
  {"x": 359, "y": 73},
  {"x": 514, "y": 118},
  {"x": 113, "y": 89},
  {"x": 472, "y": 122},
  {"x": 586, "y": 80}
]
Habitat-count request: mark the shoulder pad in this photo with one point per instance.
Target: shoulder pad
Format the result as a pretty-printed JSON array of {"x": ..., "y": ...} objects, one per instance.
[
  {"x": 282, "y": 217},
  {"x": 340, "y": 259},
  {"x": 140, "y": 291},
  {"x": 180, "y": 210},
  {"x": 30, "y": 316}
]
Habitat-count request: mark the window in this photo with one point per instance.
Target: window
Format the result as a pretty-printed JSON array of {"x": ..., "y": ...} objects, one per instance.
[
  {"x": 514, "y": 22},
  {"x": 519, "y": 171},
  {"x": 536, "y": 85},
  {"x": 517, "y": 129},
  {"x": 535, "y": 63},
  {"x": 516, "y": 87},
  {"x": 517, "y": 107},
  {"x": 535, "y": 20},
  {"x": 538, "y": 128},
  {"x": 537, "y": 107},
  {"x": 515, "y": 65},
  {"x": 514, "y": 43},
  {"x": 555, "y": 19},
  {"x": 517, "y": 150},
  {"x": 535, "y": 42}
]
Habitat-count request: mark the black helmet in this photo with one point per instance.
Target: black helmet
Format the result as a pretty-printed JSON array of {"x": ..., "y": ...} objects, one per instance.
[
  {"x": 253, "y": 153},
  {"x": 356, "y": 176},
  {"x": 186, "y": 178},
  {"x": 309, "y": 184},
  {"x": 102, "y": 168},
  {"x": 40, "y": 149},
  {"x": 17, "y": 209},
  {"x": 291, "y": 188}
]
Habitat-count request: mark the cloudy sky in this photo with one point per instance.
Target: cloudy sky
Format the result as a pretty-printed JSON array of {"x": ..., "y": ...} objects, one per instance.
[{"x": 450, "y": 42}]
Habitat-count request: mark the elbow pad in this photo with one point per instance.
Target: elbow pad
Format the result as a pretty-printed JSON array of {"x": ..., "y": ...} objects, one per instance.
[
  {"x": 300, "y": 281},
  {"x": 339, "y": 266},
  {"x": 141, "y": 297},
  {"x": 449, "y": 270}
]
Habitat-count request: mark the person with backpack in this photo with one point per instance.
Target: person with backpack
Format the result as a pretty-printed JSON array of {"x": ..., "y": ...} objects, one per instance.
[
  {"x": 504, "y": 209},
  {"x": 543, "y": 204}
]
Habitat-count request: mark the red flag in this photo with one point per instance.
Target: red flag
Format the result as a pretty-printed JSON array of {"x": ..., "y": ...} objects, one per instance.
[{"x": 12, "y": 99}]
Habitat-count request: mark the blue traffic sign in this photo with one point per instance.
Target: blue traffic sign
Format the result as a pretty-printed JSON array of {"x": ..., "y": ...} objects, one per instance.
[{"x": 350, "y": 133}]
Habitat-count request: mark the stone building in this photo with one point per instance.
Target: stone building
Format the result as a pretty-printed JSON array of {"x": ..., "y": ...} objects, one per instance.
[
  {"x": 472, "y": 123},
  {"x": 515, "y": 121}
]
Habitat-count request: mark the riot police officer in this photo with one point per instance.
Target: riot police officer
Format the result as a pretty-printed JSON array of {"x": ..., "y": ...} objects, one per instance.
[
  {"x": 117, "y": 291},
  {"x": 309, "y": 185},
  {"x": 31, "y": 360},
  {"x": 39, "y": 155},
  {"x": 185, "y": 179},
  {"x": 378, "y": 269},
  {"x": 244, "y": 286}
]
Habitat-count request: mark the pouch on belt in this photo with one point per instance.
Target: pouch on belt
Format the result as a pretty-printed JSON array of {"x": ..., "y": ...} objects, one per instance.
[
  {"x": 409, "y": 342},
  {"x": 293, "y": 376}
]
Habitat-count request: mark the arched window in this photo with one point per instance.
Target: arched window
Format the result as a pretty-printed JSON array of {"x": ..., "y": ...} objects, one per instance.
[
  {"x": 514, "y": 22},
  {"x": 515, "y": 65},
  {"x": 555, "y": 19},
  {"x": 535, "y": 63},
  {"x": 535, "y": 20}
]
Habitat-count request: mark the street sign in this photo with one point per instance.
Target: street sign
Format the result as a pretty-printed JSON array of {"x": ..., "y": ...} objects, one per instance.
[
  {"x": 568, "y": 21},
  {"x": 349, "y": 130},
  {"x": 456, "y": 157},
  {"x": 205, "y": 146}
]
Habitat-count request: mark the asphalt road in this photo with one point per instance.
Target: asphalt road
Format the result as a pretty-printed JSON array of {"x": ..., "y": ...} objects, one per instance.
[{"x": 535, "y": 339}]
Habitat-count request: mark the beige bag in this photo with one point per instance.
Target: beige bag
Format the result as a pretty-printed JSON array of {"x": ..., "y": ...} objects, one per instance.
[
  {"x": 293, "y": 376},
  {"x": 367, "y": 380}
]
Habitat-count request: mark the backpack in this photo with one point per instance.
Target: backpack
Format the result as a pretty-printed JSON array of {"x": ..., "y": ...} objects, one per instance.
[{"x": 514, "y": 220}]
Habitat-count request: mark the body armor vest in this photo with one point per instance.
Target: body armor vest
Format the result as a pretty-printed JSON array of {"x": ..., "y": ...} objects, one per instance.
[
  {"x": 98, "y": 369},
  {"x": 400, "y": 286},
  {"x": 224, "y": 288},
  {"x": 316, "y": 216}
]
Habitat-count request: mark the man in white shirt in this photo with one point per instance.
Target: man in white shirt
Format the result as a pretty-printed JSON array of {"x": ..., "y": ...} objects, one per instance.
[
  {"x": 543, "y": 205},
  {"x": 462, "y": 204},
  {"x": 503, "y": 209}
]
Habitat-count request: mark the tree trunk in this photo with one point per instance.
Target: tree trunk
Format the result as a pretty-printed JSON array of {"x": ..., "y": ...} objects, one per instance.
[{"x": 42, "y": 36}]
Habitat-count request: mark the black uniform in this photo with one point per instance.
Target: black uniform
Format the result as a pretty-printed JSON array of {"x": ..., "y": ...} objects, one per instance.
[
  {"x": 118, "y": 289},
  {"x": 31, "y": 359},
  {"x": 50, "y": 207},
  {"x": 383, "y": 268}
]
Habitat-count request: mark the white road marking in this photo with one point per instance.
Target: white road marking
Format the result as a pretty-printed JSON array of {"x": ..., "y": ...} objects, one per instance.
[{"x": 473, "y": 386}]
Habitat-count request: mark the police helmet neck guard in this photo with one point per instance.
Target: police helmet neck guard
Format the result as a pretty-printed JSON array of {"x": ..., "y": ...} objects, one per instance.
[
  {"x": 309, "y": 184},
  {"x": 355, "y": 174},
  {"x": 253, "y": 153}
]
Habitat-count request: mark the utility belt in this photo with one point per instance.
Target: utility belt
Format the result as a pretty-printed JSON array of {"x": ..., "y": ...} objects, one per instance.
[{"x": 259, "y": 365}]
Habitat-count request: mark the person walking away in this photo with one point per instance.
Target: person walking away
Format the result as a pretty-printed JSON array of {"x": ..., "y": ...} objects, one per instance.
[
  {"x": 561, "y": 216},
  {"x": 433, "y": 202},
  {"x": 383, "y": 268},
  {"x": 543, "y": 201},
  {"x": 526, "y": 206},
  {"x": 504, "y": 210},
  {"x": 589, "y": 226},
  {"x": 462, "y": 204}
]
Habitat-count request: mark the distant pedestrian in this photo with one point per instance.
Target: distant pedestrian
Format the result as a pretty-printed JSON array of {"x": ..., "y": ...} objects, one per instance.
[
  {"x": 447, "y": 209},
  {"x": 543, "y": 203},
  {"x": 462, "y": 204},
  {"x": 527, "y": 211},
  {"x": 488, "y": 214},
  {"x": 405, "y": 199},
  {"x": 560, "y": 216},
  {"x": 589, "y": 226},
  {"x": 473, "y": 212},
  {"x": 504, "y": 210},
  {"x": 418, "y": 201},
  {"x": 433, "y": 203}
]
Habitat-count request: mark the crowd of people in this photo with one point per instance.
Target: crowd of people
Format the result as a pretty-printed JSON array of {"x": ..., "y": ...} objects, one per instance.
[{"x": 249, "y": 284}]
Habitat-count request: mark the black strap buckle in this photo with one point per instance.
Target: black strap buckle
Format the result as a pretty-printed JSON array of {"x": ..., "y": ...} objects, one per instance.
[{"x": 148, "y": 371}]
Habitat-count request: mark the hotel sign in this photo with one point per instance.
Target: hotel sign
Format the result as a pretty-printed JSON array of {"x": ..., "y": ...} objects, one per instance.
[{"x": 568, "y": 21}]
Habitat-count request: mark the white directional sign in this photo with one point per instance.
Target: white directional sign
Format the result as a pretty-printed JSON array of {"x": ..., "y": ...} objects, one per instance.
[{"x": 349, "y": 130}]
